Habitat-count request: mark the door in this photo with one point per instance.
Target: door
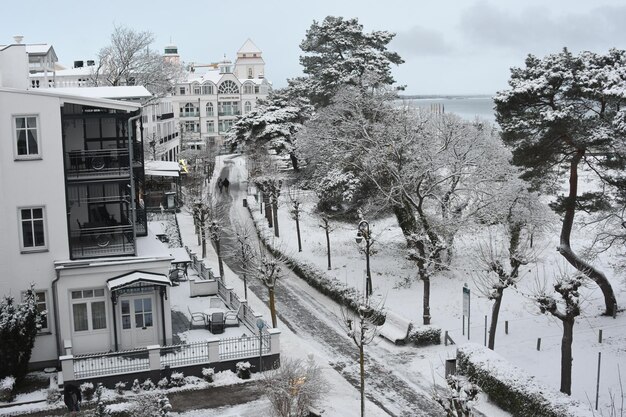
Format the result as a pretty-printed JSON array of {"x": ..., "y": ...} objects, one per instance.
[{"x": 138, "y": 321}]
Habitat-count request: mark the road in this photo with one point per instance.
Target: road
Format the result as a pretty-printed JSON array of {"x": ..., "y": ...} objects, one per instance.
[{"x": 311, "y": 315}]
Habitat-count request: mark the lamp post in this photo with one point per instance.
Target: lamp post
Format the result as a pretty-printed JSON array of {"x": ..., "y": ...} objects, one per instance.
[
  {"x": 260, "y": 324},
  {"x": 363, "y": 232}
]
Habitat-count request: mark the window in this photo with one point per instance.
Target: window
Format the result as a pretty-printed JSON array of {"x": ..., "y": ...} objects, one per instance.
[
  {"x": 41, "y": 299},
  {"x": 225, "y": 125},
  {"x": 197, "y": 89},
  {"x": 189, "y": 110},
  {"x": 210, "y": 126},
  {"x": 32, "y": 222},
  {"x": 209, "y": 109},
  {"x": 207, "y": 89},
  {"x": 190, "y": 126},
  {"x": 228, "y": 87},
  {"x": 181, "y": 91},
  {"x": 249, "y": 72},
  {"x": 247, "y": 107},
  {"x": 248, "y": 89},
  {"x": 26, "y": 137},
  {"x": 228, "y": 108},
  {"x": 89, "y": 310},
  {"x": 256, "y": 89}
]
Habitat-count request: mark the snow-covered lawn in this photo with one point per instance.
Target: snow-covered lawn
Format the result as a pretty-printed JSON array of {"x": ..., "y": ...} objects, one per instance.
[{"x": 394, "y": 282}]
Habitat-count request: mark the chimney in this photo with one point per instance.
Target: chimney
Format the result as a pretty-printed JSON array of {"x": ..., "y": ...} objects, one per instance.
[
  {"x": 78, "y": 64},
  {"x": 91, "y": 63},
  {"x": 18, "y": 39}
]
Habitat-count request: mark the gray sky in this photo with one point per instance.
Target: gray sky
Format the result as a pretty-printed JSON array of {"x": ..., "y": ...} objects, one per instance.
[{"x": 450, "y": 46}]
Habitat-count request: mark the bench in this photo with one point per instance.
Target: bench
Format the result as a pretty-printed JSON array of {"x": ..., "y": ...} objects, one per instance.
[{"x": 396, "y": 328}]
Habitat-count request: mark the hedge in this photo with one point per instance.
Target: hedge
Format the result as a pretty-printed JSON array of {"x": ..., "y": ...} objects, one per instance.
[{"x": 511, "y": 388}]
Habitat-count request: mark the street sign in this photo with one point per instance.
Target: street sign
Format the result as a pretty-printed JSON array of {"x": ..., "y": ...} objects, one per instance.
[{"x": 466, "y": 301}]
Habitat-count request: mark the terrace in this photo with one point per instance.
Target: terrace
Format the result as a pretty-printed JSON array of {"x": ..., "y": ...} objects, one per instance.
[{"x": 195, "y": 345}]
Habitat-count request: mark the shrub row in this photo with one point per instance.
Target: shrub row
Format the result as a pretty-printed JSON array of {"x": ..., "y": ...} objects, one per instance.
[
  {"x": 511, "y": 388},
  {"x": 335, "y": 289}
]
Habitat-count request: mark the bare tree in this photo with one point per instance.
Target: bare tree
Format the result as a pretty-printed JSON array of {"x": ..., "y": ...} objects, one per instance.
[
  {"x": 360, "y": 326},
  {"x": 241, "y": 248},
  {"x": 269, "y": 270},
  {"x": 294, "y": 387},
  {"x": 271, "y": 188},
  {"x": 566, "y": 310},
  {"x": 325, "y": 224},
  {"x": 128, "y": 60},
  {"x": 296, "y": 202}
]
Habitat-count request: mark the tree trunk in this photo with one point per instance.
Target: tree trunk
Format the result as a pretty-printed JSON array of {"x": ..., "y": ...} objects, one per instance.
[
  {"x": 294, "y": 161},
  {"x": 298, "y": 233},
  {"x": 275, "y": 213},
  {"x": 328, "y": 246},
  {"x": 495, "y": 313},
  {"x": 362, "y": 369},
  {"x": 272, "y": 307},
  {"x": 565, "y": 248},
  {"x": 203, "y": 243},
  {"x": 566, "y": 356},
  {"x": 426, "y": 310},
  {"x": 220, "y": 263}
]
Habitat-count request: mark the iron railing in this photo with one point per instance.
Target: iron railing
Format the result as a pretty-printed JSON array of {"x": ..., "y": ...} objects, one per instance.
[
  {"x": 244, "y": 347},
  {"x": 100, "y": 364},
  {"x": 185, "y": 354},
  {"x": 89, "y": 242},
  {"x": 97, "y": 163}
]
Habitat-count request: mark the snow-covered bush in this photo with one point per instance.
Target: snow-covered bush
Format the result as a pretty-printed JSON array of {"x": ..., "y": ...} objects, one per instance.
[
  {"x": 511, "y": 388},
  {"x": 120, "y": 387},
  {"x": 425, "y": 335},
  {"x": 208, "y": 374},
  {"x": 150, "y": 405},
  {"x": 458, "y": 398},
  {"x": 87, "y": 390},
  {"x": 163, "y": 383},
  {"x": 148, "y": 385},
  {"x": 100, "y": 410},
  {"x": 6, "y": 388},
  {"x": 177, "y": 379},
  {"x": 53, "y": 395},
  {"x": 136, "y": 388},
  {"x": 19, "y": 323},
  {"x": 243, "y": 369}
]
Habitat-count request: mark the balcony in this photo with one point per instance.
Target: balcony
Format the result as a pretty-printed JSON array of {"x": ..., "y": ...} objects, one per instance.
[
  {"x": 94, "y": 240},
  {"x": 165, "y": 116},
  {"x": 189, "y": 114},
  {"x": 97, "y": 164}
]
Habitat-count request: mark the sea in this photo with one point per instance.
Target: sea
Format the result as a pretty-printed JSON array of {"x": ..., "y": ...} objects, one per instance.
[{"x": 467, "y": 107}]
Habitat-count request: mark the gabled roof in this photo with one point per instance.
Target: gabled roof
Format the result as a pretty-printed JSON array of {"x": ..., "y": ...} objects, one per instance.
[
  {"x": 111, "y": 92},
  {"x": 249, "y": 47},
  {"x": 131, "y": 278}
]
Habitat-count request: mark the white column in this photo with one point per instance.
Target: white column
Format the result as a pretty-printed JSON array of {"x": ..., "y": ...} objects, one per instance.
[
  {"x": 274, "y": 341},
  {"x": 67, "y": 368},
  {"x": 154, "y": 357},
  {"x": 214, "y": 350}
]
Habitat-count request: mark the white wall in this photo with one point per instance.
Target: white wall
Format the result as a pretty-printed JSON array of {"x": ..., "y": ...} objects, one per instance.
[
  {"x": 14, "y": 67},
  {"x": 32, "y": 183}
]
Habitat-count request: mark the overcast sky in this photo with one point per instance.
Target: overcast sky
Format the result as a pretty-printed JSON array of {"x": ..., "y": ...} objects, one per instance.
[{"x": 450, "y": 46}]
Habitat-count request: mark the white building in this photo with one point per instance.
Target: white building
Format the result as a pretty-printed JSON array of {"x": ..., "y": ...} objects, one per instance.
[
  {"x": 208, "y": 102},
  {"x": 71, "y": 177}
]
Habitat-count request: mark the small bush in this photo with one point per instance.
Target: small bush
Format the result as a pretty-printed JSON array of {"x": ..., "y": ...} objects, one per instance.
[
  {"x": 208, "y": 374},
  {"x": 6, "y": 388},
  {"x": 53, "y": 395},
  {"x": 177, "y": 379},
  {"x": 243, "y": 369},
  {"x": 163, "y": 383},
  {"x": 148, "y": 385},
  {"x": 425, "y": 335},
  {"x": 120, "y": 387},
  {"x": 87, "y": 390},
  {"x": 136, "y": 388}
]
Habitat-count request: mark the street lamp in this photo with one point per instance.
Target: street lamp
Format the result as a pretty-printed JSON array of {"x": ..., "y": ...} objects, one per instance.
[
  {"x": 363, "y": 232},
  {"x": 260, "y": 324}
]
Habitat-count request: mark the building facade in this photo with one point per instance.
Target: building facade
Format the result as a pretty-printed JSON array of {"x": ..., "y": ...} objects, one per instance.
[
  {"x": 74, "y": 226},
  {"x": 208, "y": 102}
]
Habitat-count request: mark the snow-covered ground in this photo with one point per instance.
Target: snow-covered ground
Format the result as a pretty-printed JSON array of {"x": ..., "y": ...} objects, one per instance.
[{"x": 394, "y": 281}]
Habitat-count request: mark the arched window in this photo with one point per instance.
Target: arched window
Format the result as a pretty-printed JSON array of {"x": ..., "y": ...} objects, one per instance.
[
  {"x": 248, "y": 88},
  {"x": 228, "y": 87},
  {"x": 196, "y": 89},
  {"x": 209, "y": 109},
  {"x": 247, "y": 107},
  {"x": 189, "y": 110},
  {"x": 207, "y": 89}
]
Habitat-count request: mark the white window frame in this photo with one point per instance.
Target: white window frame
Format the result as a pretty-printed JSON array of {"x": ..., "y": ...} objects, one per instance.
[
  {"x": 88, "y": 300},
  {"x": 29, "y": 156},
  {"x": 247, "y": 107},
  {"x": 46, "y": 308},
  {"x": 32, "y": 249},
  {"x": 210, "y": 109},
  {"x": 210, "y": 126}
]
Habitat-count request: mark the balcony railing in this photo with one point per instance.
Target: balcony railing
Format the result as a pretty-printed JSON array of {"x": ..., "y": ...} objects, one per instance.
[
  {"x": 189, "y": 114},
  {"x": 229, "y": 113},
  {"x": 92, "y": 241},
  {"x": 97, "y": 163},
  {"x": 165, "y": 116}
]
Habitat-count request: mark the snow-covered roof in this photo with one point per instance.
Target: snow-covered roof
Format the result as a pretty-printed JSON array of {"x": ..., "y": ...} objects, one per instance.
[
  {"x": 117, "y": 92},
  {"x": 68, "y": 72},
  {"x": 68, "y": 97},
  {"x": 249, "y": 47},
  {"x": 162, "y": 168},
  {"x": 38, "y": 48},
  {"x": 180, "y": 255},
  {"x": 137, "y": 276}
]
